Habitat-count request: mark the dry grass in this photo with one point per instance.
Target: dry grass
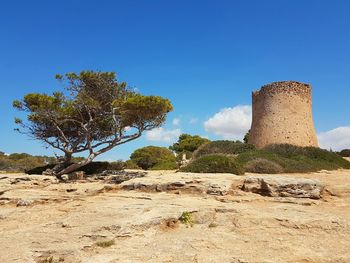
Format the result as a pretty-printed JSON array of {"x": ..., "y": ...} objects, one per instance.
[{"x": 106, "y": 243}]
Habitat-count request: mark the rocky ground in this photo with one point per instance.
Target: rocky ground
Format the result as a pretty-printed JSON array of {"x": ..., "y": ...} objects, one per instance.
[{"x": 103, "y": 219}]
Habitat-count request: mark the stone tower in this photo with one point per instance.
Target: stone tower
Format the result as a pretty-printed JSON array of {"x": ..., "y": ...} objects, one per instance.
[{"x": 282, "y": 113}]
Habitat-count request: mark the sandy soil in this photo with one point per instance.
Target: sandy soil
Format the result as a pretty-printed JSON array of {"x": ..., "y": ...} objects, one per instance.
[{"x": 45, "y": 221}]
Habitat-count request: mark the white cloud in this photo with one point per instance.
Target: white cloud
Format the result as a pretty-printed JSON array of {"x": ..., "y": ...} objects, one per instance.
[
  {"x": 336, "y": 139},
  {"x": 230, "y": 123},
  {"x": 193, "y": 121},
  {"x": 161, "y": 134},
  {"x": 176, "y": 121}
]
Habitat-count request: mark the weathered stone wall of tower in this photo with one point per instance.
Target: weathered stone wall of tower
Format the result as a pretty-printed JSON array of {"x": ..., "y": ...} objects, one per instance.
[{"x": 282, "y": 113}]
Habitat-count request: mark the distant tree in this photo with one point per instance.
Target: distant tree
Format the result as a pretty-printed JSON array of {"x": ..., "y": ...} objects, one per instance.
[
  {"x": 95, "y": 114},
  {"x": 150, "y": 156},
  {"x": 246, "y": 137},
  {"x": 188, "y": 143}
]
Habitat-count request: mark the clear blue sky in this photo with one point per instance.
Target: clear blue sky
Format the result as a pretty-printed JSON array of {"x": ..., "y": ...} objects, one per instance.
[{"x": 202, "y": 55}]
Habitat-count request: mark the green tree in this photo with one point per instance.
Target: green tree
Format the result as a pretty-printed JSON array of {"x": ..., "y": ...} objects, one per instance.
[
  {"x": 95, "y": 113},
  {"x": 150, "y": 156},
  {"x": 188, "y": 143},
  {"x": 246, "y": 137}
]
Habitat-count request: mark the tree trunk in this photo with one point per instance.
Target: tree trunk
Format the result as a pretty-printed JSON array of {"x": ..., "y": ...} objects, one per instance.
[
  {"x": 63, "y": 162},
  {"x": 74, "y": 166}
]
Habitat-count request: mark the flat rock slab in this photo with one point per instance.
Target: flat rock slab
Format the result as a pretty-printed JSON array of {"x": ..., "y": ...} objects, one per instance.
[
  {"x": 182, "y": 182},
  {"x": 279, "y": 186}
]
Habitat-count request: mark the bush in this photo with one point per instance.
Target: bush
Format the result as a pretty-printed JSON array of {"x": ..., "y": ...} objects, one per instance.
[
  {"x": 165, "y": 166},
  {"x": 188, "y": 143},
  {"x": 294, "y": 159},
  {"x": 222, "y": 147},
  {"x": 129, "y": 164},
  {"x": 263, "y": 166},
  {"x": 150, "y": 156},
  {"x": 215, "y": 163},
  {"x": 345, "y": 153}
]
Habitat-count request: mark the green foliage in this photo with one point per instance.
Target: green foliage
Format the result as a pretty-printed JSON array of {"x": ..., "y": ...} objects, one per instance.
[
  {"x": 294, "y": 159},
  {"x": 212, "y": 225},
  {"x": 188, "y": 143},
  {"x": 263, "y": 166},
  {"x": 20, "y": 162},
  {"x": 143, "y": 110},
  {"x": 150, "y": 156},
  {"x": 165, "y": 166},
  {"x": 105, "y": 244},
  {"x": 94, "y": 113},
  {"x": 215, "y": 163},
  {"x": 345, "y": 153},
  {"x": 272, "y": 159},
  {"x": 129, "y": 164},
  {"x": 246, "y": 137},
  {"x": 186, "y": 218},
  {"x": 222, "y": 147}
]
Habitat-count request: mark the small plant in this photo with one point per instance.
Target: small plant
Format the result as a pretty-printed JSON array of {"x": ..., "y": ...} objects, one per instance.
[
  {"x": 105, "y": 244},
  {"x": 212, "y": 225},
  {"x": 186, "y": 218}
]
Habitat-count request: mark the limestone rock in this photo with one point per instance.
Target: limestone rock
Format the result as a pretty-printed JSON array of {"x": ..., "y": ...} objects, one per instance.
[
  {"x": 65, "y": 177},
  {"x": 181, "y": 183},
  {"x": 123, "y": 176},
  {"x": 22, "y": 202},
  {"x": 279, "y": 186}
]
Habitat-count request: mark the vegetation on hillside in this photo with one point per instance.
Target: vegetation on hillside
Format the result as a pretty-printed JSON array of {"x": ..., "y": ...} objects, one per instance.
[
  {"x": 215, "y": 163},
  {"x": 272, "y": 159},
  {"x": 222, "y": 147}
]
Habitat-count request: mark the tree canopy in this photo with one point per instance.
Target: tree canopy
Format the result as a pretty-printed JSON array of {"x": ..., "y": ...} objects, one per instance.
[
  {"x": 94, "y": 113},
  {"x": 188, "y": 143},
  {"x": 151, "y": 156}
]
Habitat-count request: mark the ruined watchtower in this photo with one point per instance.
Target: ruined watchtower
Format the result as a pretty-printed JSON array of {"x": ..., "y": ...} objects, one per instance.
[{"x": 282, "y": 113}]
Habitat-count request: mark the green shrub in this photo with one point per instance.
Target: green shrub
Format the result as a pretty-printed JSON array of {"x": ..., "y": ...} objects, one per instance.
[
  {"x": 105, "y": 244},
  {"x": 294, "y": 159},
  {"x": 129, "y": 164},
  {"x": 150, "y": 156},
  {"x": 215, "y": 163},
  {"x": 222, "y": 147},
  {"x": 188, "y": 143},
  {"x": 345, "y": 153},
  {"x": 186, "y": 218},
  {"x": 263, "y": 166},
  {"x": 165, "y": 166}
]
